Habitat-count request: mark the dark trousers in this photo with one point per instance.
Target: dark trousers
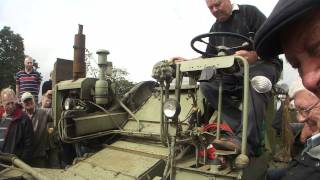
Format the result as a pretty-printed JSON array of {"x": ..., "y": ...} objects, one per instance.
[
  {"x": 39, "y": 162},
  {"x": 276, "y": 174},
  {"x": 233, "y": 87}
]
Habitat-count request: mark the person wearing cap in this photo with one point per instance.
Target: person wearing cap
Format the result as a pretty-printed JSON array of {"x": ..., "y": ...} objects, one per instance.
[
  {"x": 244, "y": 20},
  {"x": 40, "y": 120},
  {"x": 293, "y": 28},
  {"x": 16, "y": 133}
]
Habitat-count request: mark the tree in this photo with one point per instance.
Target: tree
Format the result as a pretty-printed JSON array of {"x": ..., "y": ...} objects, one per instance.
[
  {"x": 122, "y": 85},
  {"x": 11, "y": 56},
  {"x": 118, "y": 77}
]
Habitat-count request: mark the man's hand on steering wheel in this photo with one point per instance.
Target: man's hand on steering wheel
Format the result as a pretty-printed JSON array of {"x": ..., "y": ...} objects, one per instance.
[
  {"x": 245, "y": 50},
  {"x": 250, "y": 56},
  {"x": 178, "y": 59}
]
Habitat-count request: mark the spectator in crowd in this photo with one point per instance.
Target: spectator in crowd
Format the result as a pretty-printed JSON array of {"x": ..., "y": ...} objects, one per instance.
[
  {"x": 40, "y": 120},
  {"x": 47, "y": 85},
  {"x": 28, "y": 80},
  {"x": 16, "y": 133},
  {"x": 46, "y": 101},
  {"x": 293, "y": 28},
  {"x": 304, "y": 100},
  {"x": 299, "y": 97}
]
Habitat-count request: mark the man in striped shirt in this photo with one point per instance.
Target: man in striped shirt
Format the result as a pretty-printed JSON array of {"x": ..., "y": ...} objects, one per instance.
[{"x": 28, "y": 80}]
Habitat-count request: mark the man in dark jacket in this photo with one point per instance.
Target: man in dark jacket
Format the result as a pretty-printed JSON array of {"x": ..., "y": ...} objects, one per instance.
[
  {"x": 41, "y": 120},
  {"x": 16, "y": 132},
  {"x": 244, "y": 20},
  {"x": 293, "y": 28}
]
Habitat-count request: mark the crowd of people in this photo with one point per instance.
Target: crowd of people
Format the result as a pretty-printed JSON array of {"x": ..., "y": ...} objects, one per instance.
[
  {"x": 293, "y": 28},
  {"x": 25, "y": 123}
]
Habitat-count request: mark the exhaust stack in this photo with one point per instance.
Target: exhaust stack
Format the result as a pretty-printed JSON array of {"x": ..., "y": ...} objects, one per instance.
[{"x": 79, "y": 65}]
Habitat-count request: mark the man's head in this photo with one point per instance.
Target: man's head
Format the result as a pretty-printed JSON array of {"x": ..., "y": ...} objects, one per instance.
[
  {"x": 221, "y": 9},
  {"x": 293, "y": 28},
  {"x": 46, "y": 101},
  {"x": 28, "y": 63},
  {"x": 8, "y": 99},
  {"x": 306, "y": 103},
  {"x": 301, "y": 44},
  {"x": 28, "y": 102}
]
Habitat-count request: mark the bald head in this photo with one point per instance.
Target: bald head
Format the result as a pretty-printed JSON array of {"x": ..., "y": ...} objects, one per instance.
[
  {"x": 8, "y": 99},
  {"x": 28, "y": 64},
  {"x": 221, "y": 9}
]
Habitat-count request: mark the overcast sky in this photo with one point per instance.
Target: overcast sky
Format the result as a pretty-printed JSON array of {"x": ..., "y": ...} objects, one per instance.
[{"x": 138, "y": 33}]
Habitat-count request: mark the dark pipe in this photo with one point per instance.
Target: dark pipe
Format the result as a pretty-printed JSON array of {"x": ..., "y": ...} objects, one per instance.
[{"x": 79, "y": 65}]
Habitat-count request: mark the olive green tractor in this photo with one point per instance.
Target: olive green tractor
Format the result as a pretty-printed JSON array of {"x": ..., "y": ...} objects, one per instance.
[{"x": 158, "y": 130}]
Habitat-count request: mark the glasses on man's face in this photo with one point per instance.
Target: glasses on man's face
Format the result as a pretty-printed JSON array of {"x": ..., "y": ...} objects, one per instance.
[{"x": 305, "y": 112}]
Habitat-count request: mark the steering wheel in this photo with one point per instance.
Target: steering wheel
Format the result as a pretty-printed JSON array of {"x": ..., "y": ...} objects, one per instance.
[{"x": 247, "y": 43}]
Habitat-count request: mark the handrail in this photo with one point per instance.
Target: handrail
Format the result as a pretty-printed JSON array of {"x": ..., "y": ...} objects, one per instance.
[{"x": 245, "y": 100}]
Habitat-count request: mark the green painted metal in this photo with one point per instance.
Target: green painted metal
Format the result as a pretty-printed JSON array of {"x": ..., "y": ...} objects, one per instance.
[
  {"x": 140, "y": 154},
  {"x": 270, "y": 137},
  {"x": 101, "y": 91},
  {"x": 200, "y": 63},
  {"x": 150, "y": 111},
  {"x": 121, "y": 160},
  {"x": 92, "y": 123},
  {"x": 244, "y": 103},
  {"x": 84, "y": 85},
  {"x": 102, "y": 86}
]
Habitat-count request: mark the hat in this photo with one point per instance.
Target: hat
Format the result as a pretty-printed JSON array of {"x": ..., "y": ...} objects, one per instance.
[
  {"x": 26, "y": 96},
  {"x": 267, "y": 43},
  {"x": 295, "y": 87}
]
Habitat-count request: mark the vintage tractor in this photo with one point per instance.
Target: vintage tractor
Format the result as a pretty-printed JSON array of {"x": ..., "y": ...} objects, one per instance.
[{"x": 156, "y": 131}]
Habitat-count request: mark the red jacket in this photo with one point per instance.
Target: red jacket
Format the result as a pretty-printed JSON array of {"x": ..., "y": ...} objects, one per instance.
[{"x": 19, "y": 137}]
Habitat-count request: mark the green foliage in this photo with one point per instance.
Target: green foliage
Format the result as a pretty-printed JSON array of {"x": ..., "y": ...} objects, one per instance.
[
  {"x": 122, "y": 85},
  {"x": 11, "y": 56},
  {"x": 119, "y": 76},
  {"x": 35, "y": 64},
  {"x": 91, "y": 65}
]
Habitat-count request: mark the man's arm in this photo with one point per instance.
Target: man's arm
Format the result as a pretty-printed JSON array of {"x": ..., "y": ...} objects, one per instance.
[
  {"x": 17, "y": 89},
  {"x": 17, "y": 84},
  {"x": 39, "y": 81},
  {"x": 210, "y": 48},
  {"x": 255, "y": 18}
]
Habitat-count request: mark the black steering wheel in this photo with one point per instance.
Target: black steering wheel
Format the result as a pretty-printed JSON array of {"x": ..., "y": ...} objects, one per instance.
[{"x": 247, "y": 43}]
